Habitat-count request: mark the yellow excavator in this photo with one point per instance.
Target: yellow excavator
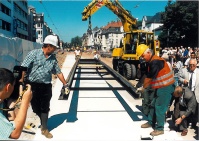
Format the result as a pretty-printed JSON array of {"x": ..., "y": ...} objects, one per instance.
[{"x": 125, "y": 59}]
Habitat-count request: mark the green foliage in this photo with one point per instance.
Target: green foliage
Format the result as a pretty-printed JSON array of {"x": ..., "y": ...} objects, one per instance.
[
  {"x": 76, "y": 41},
  {"x": 180, "y": 21}
]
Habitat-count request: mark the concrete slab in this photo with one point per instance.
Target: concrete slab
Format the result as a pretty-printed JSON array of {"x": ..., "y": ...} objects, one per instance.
[{"x": 99, "y": 115}]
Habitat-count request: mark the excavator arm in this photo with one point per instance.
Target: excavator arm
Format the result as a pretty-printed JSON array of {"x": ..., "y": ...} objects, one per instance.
[
  {"x": 125, "y": 58},
  {"x": 128, "y": 21}
]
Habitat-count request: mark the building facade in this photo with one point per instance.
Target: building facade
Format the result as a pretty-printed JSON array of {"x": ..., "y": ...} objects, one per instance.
[
  {"x": 104, "y": 38},
  {"x": 110, "y": 36},
  {"x": 17, "y": 19},
  {"x": 31, "y": 24},
  {"x": 14, "y": 18},
  {"x": 151, "y": 23}
]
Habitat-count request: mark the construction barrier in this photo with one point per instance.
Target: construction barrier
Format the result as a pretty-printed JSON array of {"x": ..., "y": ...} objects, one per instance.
[{"x": 14, "y": 50}]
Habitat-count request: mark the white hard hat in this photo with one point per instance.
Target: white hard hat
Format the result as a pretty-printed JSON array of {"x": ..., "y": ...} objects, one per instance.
[{"x": 52, "y": 39}]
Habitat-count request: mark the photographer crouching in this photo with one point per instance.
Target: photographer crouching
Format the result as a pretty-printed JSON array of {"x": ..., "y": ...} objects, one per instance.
[{"x": 12, "y": 129}]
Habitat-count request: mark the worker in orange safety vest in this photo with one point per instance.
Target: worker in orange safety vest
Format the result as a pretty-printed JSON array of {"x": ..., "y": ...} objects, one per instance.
[{"x": 161, "y": 79}]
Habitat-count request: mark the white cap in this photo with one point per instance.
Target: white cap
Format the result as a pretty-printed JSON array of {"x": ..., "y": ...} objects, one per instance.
[{"x": 52, "y": 39}]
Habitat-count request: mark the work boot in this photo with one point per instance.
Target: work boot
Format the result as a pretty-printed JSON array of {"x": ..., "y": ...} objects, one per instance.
[
  {"x": 157, "y": 132},
  {"x": 146, "y": 125},
  {"x": 46, "y": 133}
]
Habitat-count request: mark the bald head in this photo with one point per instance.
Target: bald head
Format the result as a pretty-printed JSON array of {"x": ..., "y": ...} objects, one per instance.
[
  {"x": 192, "y": 64},
  {"x": 178, "y": 91}
]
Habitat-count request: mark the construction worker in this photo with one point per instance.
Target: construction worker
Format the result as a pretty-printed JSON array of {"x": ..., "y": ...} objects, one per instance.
[
  {"x": 77, "y": 53},
  {"x": 41, "y": 64},
  {"x": 96, "y": 55},
  {"x": 160, "y": 78}
]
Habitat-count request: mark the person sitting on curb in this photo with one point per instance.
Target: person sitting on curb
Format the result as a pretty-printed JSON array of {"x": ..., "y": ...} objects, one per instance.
[{"x": 185, "y": 107}]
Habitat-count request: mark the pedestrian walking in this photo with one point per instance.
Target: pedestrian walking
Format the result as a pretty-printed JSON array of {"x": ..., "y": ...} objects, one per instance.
[
  {"x": 41, "y": 64},
  {"x": 78, "y": 53},
  {"x": 96, "y": 55},
  {"x": 160, "y": 78}
]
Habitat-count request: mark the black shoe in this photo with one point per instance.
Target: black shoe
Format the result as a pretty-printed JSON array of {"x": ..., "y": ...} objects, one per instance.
[{"x": 194, "y": 126}]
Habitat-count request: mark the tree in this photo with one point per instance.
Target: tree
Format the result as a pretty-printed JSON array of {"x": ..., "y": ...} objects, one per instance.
[
  {"x": 76, "y": 41},
  {"x": 180, "y": 21}
]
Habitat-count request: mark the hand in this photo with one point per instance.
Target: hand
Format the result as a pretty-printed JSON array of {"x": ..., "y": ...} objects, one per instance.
[
  {"x": 140, "y": 89},
  {"x": 178, "y": 121},
  {"x": 186, "y": 82},
  {"x": 27, "y": 96},
  {"x": 66, "y": 89}
]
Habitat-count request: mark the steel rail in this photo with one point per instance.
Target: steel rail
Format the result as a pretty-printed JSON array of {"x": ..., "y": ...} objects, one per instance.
[{"x": 77, "y": 67}]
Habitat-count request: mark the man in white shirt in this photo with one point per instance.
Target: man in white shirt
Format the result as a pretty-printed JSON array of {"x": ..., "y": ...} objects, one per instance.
[
  {"x": 192, "y": 56},
  {"x": 78, "y": 53}
]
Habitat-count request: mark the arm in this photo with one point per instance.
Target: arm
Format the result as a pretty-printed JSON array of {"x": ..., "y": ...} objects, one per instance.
[
  {"x": 61, "y": 78},
  {"x": 147, "y": 82},
  {"x": 22, "y": 113},
  {"x": 191, "y": 106},
  {"x": 22, "y": 76},
  {"x": 181, "y": 76}
]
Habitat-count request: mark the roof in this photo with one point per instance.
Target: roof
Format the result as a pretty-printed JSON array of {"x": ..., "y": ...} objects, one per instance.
[
  {"x": 154, "y": 19},
  {"x": 113, "y": 24}
]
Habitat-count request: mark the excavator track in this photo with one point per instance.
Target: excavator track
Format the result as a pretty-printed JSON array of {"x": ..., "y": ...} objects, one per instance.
[{"x": 92, "y": 69}]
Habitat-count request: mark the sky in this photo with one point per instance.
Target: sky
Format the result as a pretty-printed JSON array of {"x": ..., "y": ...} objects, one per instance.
[{"x": 65, "y": 19}]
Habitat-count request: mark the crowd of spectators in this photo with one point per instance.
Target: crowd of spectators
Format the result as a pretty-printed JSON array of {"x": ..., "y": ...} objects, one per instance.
[
  {"x": 184, "y": 62},
  {"x": 181, "y": 54}
]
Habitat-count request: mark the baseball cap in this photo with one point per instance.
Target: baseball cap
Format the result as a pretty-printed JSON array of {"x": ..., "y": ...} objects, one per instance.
[{"x": 52, "y": 39}]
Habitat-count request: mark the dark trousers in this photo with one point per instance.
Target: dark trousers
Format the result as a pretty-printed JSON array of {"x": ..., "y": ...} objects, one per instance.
[
  {"x": 180, "y": 111},
  {"x": 42, "y": 94},
  {"x": 148, "y": 96}
]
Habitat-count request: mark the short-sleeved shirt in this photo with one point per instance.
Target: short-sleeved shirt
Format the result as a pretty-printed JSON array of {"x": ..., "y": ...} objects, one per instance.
[
  {"x": 40, "y": 68},
  {"x": 77, "y": 52},
  {"x": 6, "y": 127}
]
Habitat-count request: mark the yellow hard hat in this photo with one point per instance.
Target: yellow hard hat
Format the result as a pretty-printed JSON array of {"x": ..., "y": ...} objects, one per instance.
[{"x": 141, "y": 49}]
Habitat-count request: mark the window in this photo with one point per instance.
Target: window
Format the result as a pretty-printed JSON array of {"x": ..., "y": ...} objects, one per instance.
[
  {"x": 0, "y": 24},
  {"x": 20, "y": 11},
  {"x": 18, "y": 23},
  {"x": 5, "y": 9},
  {"x": 38, "y": 25},
  {"x": 5, "y": 25}
]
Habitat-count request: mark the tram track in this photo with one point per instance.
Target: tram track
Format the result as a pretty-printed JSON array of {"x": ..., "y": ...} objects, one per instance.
[{"x": 81, "y": 70}]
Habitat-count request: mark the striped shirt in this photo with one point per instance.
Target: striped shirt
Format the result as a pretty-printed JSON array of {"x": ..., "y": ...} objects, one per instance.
[{"x": 40, "y": 68}]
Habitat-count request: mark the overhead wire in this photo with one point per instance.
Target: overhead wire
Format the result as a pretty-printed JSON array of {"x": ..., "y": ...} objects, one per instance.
[{"x": 50, "y": 18}]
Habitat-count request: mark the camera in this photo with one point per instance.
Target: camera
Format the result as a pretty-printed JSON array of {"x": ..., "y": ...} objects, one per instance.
[{"x": 17, "y": 71}]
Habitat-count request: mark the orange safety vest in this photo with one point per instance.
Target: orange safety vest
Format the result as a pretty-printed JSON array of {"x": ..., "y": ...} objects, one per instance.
[{"x": 165, "y": 76}]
